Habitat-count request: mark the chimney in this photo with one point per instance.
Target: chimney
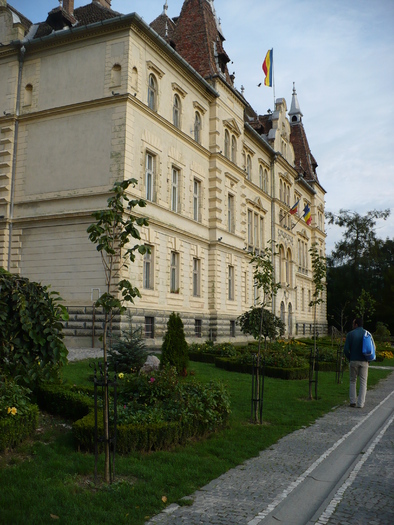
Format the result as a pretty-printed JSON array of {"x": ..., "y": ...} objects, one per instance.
[
  {"x": 104, "y": 3},
  {"x": 68, "y": 5}
]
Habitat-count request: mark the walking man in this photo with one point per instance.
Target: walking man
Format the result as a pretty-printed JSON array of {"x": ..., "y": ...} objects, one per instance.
[{"x": 358, "y": 366}]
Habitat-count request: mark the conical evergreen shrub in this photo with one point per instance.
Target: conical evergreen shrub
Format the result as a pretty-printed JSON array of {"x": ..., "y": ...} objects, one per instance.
[{"x": 174, "y": 350}]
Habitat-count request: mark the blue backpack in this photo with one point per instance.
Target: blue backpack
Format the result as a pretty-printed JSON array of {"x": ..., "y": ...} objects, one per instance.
[{"x": 368, "y": 347}]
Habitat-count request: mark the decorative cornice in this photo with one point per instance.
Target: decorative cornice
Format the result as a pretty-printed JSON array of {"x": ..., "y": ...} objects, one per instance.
[{"x": 150, "y": 65}]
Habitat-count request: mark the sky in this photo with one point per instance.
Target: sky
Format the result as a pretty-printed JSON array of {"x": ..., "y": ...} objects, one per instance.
[{"x": 340, "y": 54}]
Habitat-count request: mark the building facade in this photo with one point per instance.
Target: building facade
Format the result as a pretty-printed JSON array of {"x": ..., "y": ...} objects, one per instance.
[{"x": 90, "y": 97}]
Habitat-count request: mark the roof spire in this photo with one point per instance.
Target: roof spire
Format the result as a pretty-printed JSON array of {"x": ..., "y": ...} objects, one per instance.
[
  {"x": 165, "y": 8},
  {"x": 295, "y": 112}
]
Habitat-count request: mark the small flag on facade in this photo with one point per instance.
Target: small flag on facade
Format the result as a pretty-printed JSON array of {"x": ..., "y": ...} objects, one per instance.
[
  {"x": 307, "y": 215},
  {"x": 293, "y": 210},
  {"x": 268, "y": 67}
]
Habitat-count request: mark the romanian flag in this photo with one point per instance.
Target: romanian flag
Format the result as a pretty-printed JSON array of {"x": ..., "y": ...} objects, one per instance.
[
  {"x": 267, "y": 67},
  {"x": 293, "y": 210},
  {"x": 307, "y": 215}
]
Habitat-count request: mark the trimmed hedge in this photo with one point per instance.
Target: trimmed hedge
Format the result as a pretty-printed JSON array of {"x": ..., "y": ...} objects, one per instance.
[
  {"x": 137, "y": 437},
  {"x": 270, "y": 371},
  {"x": 64, "y": 401},
  {"x": 13, "y": 430}
]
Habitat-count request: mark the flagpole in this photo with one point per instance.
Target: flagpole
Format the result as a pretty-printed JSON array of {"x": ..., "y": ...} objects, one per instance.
[{"x": 273, "y": 77}]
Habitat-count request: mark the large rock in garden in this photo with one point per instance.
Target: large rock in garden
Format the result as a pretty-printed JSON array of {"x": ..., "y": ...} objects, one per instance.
[{"x": 152, "y": 363}]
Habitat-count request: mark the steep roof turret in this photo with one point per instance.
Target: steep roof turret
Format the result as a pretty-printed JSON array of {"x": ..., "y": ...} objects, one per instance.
[
  {"x": 199, "y": 39},
  {"x": 304, "y": 161}
]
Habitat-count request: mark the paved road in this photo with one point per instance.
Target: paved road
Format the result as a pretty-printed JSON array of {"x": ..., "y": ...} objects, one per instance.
[{"x": 338, "y": 471}]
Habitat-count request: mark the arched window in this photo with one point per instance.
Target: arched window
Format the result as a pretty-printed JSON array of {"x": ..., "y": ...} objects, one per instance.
[
  {"x": 281, "y": 191},
  {"x": 290, "y": 319},
  {"x": 134, "y": 78},
  {"x": 282, "y": 312},
  {"x": 288, "y": 268},
  {"x": 28, "y": 95},
  {"x": 152, "y": 93},
  {"x": 116, "y": 75},
  {"x": 261, "y": 177},
  {"x": 265, "y": 183},
  {"x": 176, "y": 111},
  {"x": 226, "y": 144},
  {"x": 249, "y": 167},
  {"x": 282, "y": 262},
  {"x": 233, "y": 149},
  {"x": 197, "y": 127}
]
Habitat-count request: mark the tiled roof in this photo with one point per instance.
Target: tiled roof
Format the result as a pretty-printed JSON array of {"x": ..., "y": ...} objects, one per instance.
[
  {"x": 164, "y": 26},
  {"x": 87, "y": 14},
  {"x": 305, "y": 162},
  {"x": 196, "y": 37}
]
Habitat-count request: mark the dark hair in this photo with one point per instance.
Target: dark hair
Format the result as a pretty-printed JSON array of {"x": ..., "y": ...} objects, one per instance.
[{"x": 359, "y": 322}]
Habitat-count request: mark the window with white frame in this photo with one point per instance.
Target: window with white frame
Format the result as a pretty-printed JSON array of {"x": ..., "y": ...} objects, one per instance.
[
  {"x": 197, "y": 127},
  {"x": 176, "y": 111},
  {"x": 196, "y": 277},
  {"x": 231, "y": 213},
  {"x": 196, "y": 200},
  {"x": 255, "y": 232},
  {"x": 175, "y": 179},
  {"x": 231, "y": 285},
  {"x": 265, "y": 181},
  {"x": 148, "y": 269},
  {"x": 174, "y": 272},
  {"x": 226, "y": 144},
  {"x": 233, "y": 149},
  {"x": 152, "y": 92},
  {"x": 150, "y": 162},
  {"x": 249, "y": 167}
]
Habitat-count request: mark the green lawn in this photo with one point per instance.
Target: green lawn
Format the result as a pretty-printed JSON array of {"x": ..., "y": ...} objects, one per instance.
[{"x": 46, "y": 478}]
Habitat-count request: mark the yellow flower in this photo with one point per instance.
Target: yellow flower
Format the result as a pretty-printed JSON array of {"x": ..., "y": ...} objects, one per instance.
[
  {"x": 12, "y": 411},
  {"x": 121, "y": 375},
  {"x": 164, "y": 499}
]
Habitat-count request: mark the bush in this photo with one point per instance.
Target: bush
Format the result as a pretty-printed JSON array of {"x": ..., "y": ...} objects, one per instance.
[
  {"x": 154, "y": 413},
  {"x": 31, "y": 331},
  {"x": 70, "y": 402},
  {"x": 18, "y": 417},
  {"x": 174, "y": 350},
  {"x": 129, "y": 352},
  {"x": 382, "y": 333}
]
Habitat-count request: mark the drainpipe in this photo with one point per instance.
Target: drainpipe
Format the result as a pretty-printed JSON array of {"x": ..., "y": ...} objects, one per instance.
[{"x": 15, "y": 149}]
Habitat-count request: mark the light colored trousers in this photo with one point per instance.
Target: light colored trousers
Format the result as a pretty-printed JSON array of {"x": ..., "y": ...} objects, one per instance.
[{"x": 358, "y": 369}]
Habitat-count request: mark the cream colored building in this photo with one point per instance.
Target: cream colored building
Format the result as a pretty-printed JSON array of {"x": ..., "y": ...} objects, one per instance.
[{"x": 90, "y": 97}]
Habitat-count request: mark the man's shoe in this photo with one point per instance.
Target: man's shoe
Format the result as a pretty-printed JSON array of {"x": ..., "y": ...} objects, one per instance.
[{"x": 353, "y": 405}]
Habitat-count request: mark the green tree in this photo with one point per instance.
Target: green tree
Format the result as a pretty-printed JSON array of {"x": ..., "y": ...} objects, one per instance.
[
  {"x": 265, "y": 283},
  {"x": 360, "y": 261},
  {"x": 31, "y": 330},
  {"x": 174, "y": 350},
  {"x": 319, "y": 271},
  {"x": 365, "y": 306},
  {"x": 259, "y": 321},
  {"x": 112, "y": 233}
]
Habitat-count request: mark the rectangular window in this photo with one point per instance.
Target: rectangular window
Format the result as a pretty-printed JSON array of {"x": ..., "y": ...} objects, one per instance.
[
  {"x": 230, "y": 214},
  {"x": 148, "y": 270},
  {"x": 196, "y": 277},
  {"x": 196, "y": 199},
  {"x": 231, "y": 283},
  {"x": 261, "y": 233},
  {"x": 149, "y": 176},
  {"x": 175, "y": 190},
  {"x": 198, "y": 327},
  {"x": 250, "y": 228},
  {"x": 174, "y": 273},
  {"x": 149, "y": 327},
  {"x": 232, "y": 328},
  {"x": 256, "y": 230}
]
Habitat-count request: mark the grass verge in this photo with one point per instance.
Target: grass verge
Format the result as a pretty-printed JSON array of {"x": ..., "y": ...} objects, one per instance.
[{"x": 46, "y": 479}]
